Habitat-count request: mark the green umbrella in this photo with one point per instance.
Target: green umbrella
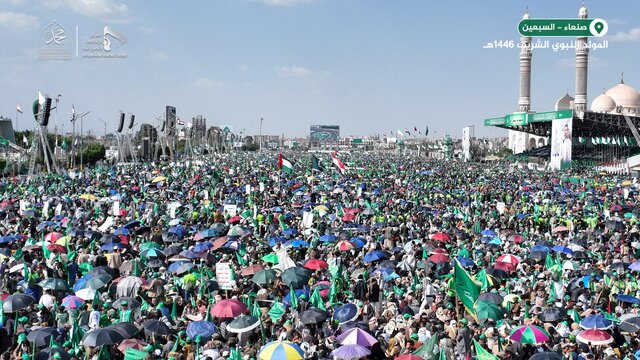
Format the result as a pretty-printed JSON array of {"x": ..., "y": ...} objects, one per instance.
[
  {"x": 54, "y": 284},
  {"x": 270, "y": 258},
  {"x": 488, "y": 310},
  {"x": 264, "y": 277},
  {"x": 149, "y": 245},
  {"x": 296, "y": 277},
  {"x": 85, "y": 268}
]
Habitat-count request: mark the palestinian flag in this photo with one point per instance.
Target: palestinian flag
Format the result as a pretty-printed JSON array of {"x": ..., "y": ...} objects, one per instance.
[
  {"x": 338, "y": 163},
  {"x": 284, "y": 164}
]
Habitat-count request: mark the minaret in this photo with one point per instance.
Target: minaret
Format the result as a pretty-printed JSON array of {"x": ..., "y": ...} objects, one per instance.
[
  {"x": 582, "y": 65},
  {"x": 524, "y": 101}
]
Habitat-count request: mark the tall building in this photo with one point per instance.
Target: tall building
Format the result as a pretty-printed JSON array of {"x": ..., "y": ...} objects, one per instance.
[{"x": 199, "y": 127}]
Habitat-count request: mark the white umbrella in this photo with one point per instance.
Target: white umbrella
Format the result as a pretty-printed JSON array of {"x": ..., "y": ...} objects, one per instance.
[
  {"x": 86, "y": 294},
  {"x": 128, "y": 286}
]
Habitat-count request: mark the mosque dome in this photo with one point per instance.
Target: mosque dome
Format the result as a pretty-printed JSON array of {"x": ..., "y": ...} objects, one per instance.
[
  {"x": 525, "y": 16},
  {"x": 603, "y": 103},
  {"x": 625, "y": 96},
  {"x": 564, "y": 103}
]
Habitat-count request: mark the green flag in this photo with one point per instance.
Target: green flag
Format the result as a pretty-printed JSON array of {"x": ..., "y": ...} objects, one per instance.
[
  {"x": 442, "y": 355},
  {"x": 316, "y": 300},
  {"x": 481, "y": 353},
  {"x": 46, "y": 251},
  {"x": 427, "y": 350},
  {"x": 276, "y": 311},
  {"x": 467, "y": 289},
  {"x": 293, "y": 298},
  {"x": 482, "y": 277},
  {"x": 133, "y": 354}
]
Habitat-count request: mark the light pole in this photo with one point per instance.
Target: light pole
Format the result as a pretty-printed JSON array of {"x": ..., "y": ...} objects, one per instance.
[
  {"x": 55, "y": 127},
  {"x": 82, "y": 139},
  {"x": 105, "y": 130}
]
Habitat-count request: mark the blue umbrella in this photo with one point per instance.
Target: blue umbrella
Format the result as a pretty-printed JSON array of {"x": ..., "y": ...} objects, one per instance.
[
  {"x": 178, "y": 230},
  {"x": 628, "y": 299},
  {"x": 200, "y": 247},
  {"x": 328, "y": 238},
  {"x": 363, "y": 228},
  {"x": 495, "y": 241},
  {"x": 391, "y": 276},
  {"x": 358, "y": 242},
  {"x": 189, "y": 254},
  {"x": 276, "y": 239},
  {"x": 300, "y": 292},
  {"x": 345, "y": 313},
  {"x": 209, "y": 233},
  {"x": 132, "y": 224},
  {"x": 121, "y": 231},
  {"x": 596, "y": 321},
  {"x": 540, "y": 248},
  {"x": 205, "y": 329},
  {"x": 383, "y": 271},
  {"x": 466, "y": 262},
  {"x": 374, "y": 256},
  {"x": 7, "y": 239},
  {"x": 488, "y": 232},
  {"x": 290, "y": 232},
  {"x": 297, "y": 243},
  {"x": 181, "y": 267},
  {"x": 112, "y": 246},
  {"x": 562, "y": 249}
]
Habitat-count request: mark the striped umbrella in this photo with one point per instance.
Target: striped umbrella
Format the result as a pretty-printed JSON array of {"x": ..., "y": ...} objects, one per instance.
[
  {"x": 72, "y": 302},
  {"x": 529, "y": 334},
  {"x": 344, "y": 245},
  {"x": 281, "y": 350}
]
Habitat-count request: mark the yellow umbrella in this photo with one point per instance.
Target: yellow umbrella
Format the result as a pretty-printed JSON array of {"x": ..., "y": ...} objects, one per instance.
[
  {"x": 321, "y": 208},
  {"x": 88, "y": 197},
  {"x": 63, "y": 241},
  {"x": 627, "y": 183},
  {"x": 158, "y": 179}
]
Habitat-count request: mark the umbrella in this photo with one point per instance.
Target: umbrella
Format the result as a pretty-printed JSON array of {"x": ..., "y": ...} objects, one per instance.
[
  {"x": 619, "y": 267},
  {"x": 538, "y": 255},
  {"x": 628, "y": 299},
  {"x": 316, "y": 264},
  {"x": 131, "y": 343},
  {"x": 54, "y": 284},
  {"x": 251, "y": 269},
  {"x": 296, "y": 277},
  {"x": 529, "y": 334},
  {"x": 491, "y": 297},
  {"x": 509, "y": 259},
  {"x": 17, "y": 302},
  {"x": 72, "y": 302},
  {"x": 132, "y": 303},
  {"x": 86, "y": 294},
  {"x": 41, "y": 337},
  {"x": 313, "y": 316},
  {"x": 243, "y": 323},
  {"x": 280, "y": 350},
  {"x": 345, "y": 313},
  {"x": 264, "y": 277},
  {"x": 181, "y": 267},
  {"x": 126, "y": 329},
  {"x": 630, "y": 325},
  {"x": 375, "y": 256},
  {"x": 497, "y": 273},
  {"x": 128, "y": 286},
  {"x": 92, "y": 282},
  {"x": 488, "y": 310},
  {"x": 595, "y": 337},
  {"x": 328, "y": 238},
  {"x": 439, "y": 258},
  {"x": 442, "y": 237},
  {"x": 562, "y": 249},
  {"x": 596, "y": 321},
  {"x": 158, "y": 179},
  {"x": 552, "y": 314},
  {"x": 101, "y": 336},
  {"x": 49, "y": 353},
  {"x": 547, "y": 355},
  {"x": 52, "y": 237},
  {"x": 344, "y": 245},
  {"x": 356, "y": 336},
  {"x": 228, "y": 308},
  {"x": 156, "y": 326},
  {"x": 351, "y": 352},
  {"x": 558, "y": 229},
  {"x": 205, "y": 329}
]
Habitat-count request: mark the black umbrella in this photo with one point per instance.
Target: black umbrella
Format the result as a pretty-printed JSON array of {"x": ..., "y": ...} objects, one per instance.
[
  {"x": 126, "y": 329},
  {"x": 173, "y": 250},
  {"x": 49, "y": 353},
  {"x": 443, "y": 268},
  {"x": 243, "y": 323},
  {"x": 491, "y": 297},
  {"x": 92, "y": 235},
  {"x": 157, "y": 327},
  {"x": 353, "y": 324},
  {"x": 109, "y": 238},
  {"x": 131, "y": 303},
  {"x": 101, "y": 336},
  {"x": 630, "y": 325},
  {"x": 42, "y": 336},
  {"x": 100, "y": 270},
  {"x": 547, "y": 355},
  {"x": 155, "y": 264},
  {"x": 313, "y": 316},
  {"x": 552, "y": 314},
  {"x": 17, "y": 302},
  {"x": 296, "y": 277},
  {"x": 615, "y": 225},
  {"x": 620, "y": 267},
  {"x": 142, "y": 230},
  {"x": 580, "y": 255},
  {"x": 538, "y": 255},
  {"x": 497, "y": 273},
  {"x": 75, "y": 232},
  {"x": 211, "y": 285}
]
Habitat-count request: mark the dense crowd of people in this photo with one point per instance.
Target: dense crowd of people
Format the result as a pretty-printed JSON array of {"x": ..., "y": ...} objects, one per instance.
[{"x": 396, "y": 257}]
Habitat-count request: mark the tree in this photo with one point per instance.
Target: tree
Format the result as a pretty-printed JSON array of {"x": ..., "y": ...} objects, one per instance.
[{"x": 92, "y": 154}]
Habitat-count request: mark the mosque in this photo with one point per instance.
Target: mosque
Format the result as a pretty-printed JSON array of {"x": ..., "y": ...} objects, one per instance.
[{"x": 601, "y": 129}]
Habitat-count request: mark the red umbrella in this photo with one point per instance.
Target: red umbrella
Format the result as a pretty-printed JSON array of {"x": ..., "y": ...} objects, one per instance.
[
  {"x": 595, "y": 337},
  {"x": 316, "y": 264},
  {"x": 558, "y": 229},
  {"x": 516, "y": 238},
  {"x": 616, "y": 208},
  {"x": 504, "y": 266},
  {"x": 439, "y": 251},
  {"x": 444, "y": 237},
  {"x": 438, "y": 258},
  {"x": 132, "y": 343},
  {"x": 352, "y": 210},
  {"x": 124, "y": 239},
  {"x": 344, "y": 245},
  {"x": 252, "y": 269},
  {"x": 235, "y": 219},
  {"x": 53, "y": 237},
  {"x": 510, "y": 259},
  {"x": 56, "y": 248},
  {"x": 228, "y": 308},
  {"x": 348, "y": 217},
  {"x": 219, "y": 242}
]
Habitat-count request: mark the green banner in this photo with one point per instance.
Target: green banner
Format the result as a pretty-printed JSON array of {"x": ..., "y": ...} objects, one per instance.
[
  {"x": 494, "y": 122},
  {"x": 563, "y": 27},
  {"x": 516, "y": 119},
  {"x": 467, "y": 289},
  {"x": 550, "y": 115}
]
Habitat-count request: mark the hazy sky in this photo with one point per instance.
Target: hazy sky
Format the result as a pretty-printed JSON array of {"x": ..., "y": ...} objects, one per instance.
[{"x": 370, "y": 66}]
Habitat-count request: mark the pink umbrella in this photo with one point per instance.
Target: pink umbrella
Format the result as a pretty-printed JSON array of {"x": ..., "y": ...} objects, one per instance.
[
  {"x": 228, "y": 308},
  {"x": 529, "y": 334},
  {"x": 509, "y": 259},
  {"x": 560, "y": 228},
  {"x": 344, "y": 245},
  {"x": 595, "y": 337},
  {"x": 356, "y": 336},
  {"x": 72, "y": 302}
]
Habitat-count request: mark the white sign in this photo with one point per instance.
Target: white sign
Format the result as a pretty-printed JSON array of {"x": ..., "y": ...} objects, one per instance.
[
  {"x": 500, "y": 207},
  {"x": 231, "y": 209},
  {"x": 225, "y": 277}
]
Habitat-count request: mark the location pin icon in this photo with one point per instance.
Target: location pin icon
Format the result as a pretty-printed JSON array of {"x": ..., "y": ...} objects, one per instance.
[{"x": 598, "y": 27}]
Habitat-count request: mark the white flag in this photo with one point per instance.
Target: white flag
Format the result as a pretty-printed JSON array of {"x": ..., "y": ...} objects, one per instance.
[
  {"x": 73, "y": 109},
  {"x": 24, "y": 140},
  {"x": 41, "y": 99},
  {"x": 400, "y": 133},
  {"x": 18, "y": 109}
]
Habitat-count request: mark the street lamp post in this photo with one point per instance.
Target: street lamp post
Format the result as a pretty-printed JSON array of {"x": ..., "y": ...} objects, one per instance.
[{"x": 82, "y": 139}]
